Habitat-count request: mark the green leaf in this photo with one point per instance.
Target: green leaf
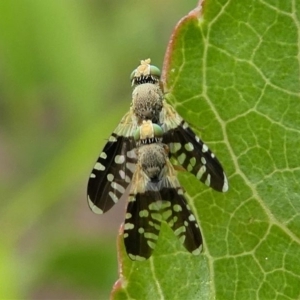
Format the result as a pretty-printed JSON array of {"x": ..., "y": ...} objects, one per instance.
[{"x": 232, "y": 69}]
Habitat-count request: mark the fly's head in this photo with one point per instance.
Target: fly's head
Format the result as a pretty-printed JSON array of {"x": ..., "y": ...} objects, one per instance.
[{"x": 145, "y": 73}]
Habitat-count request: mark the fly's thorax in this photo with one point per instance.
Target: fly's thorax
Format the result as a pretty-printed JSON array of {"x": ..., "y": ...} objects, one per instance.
[
  {"x": 147, "y": 102},
  {"x": 153, "y": 159}
]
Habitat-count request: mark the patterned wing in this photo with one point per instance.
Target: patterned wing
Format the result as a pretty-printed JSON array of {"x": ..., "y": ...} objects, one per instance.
[
  {"x": 143, "y": 219},
  {"x": 151, "y": 202},
  {"x": 190, "y": 152},
  {"x": 177, "y": 213},
  {"x": 180, "y": 218},
  {"x": 142, "y": 225},
  {"x": 114, "y": 168}
]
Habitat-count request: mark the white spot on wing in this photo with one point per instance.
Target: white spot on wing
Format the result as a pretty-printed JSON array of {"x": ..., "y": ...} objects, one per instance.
[
  {"x": 144, "y": 213},
  {"x": 122, "y": 174},
  {"x": 119, "y": 159},
  {"x": 131, "y": 153},
  {"x": 103, "y": 155},
  {"x": 177, "y": 208},
  {"x": 136, "y": 257},
  {"x": 128, "y": 215},
  {"x": 182, "y": 239},
  {"x": 185, "y": 125},
  {"x": 197, "y": 251},
  {"x": 94, "y": 208},
  {"x": 141, "y": 230},
  {"x": 193, "y": 161},
  {"x": 174, "y": 147},
  {"x": 128, "y": 226},
  {"x": 151, "y": 244},
  {"x": 99, "y": 167},
  {"x": 201, "y": 172},
  {"x": 117, "y": 187},
  {"x": 180, "y": 191},
  {"x": 189, "y": 147},
  {"x": 130, "y": 166},
  {"x": 204, "y": 148},
  {"x": 192, "y": 218},
  {"x": 225, "y": 185},
  {"x": 112, "y": 139},
  {"x": 113, "y": 197},
  {"x": 180, "y": 230},
  {"x": 207, "y": 181},
  {"x": 181, "y": 158},
  {"x": 110, "y": 177}
]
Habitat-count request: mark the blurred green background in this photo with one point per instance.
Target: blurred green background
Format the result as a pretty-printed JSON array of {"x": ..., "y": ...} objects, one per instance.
[{"x": 64, "y": 86}]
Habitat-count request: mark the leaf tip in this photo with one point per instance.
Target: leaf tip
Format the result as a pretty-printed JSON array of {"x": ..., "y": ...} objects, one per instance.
[{"x": 196, "y": 13}]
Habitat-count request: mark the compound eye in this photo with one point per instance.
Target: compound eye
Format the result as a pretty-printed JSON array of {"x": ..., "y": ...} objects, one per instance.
[
  {"x": 137, "y": 134},
  {"x": 155, "y": 71},
  {"x": 158, "y": 131},
  {"x": 132, "y": 75}
]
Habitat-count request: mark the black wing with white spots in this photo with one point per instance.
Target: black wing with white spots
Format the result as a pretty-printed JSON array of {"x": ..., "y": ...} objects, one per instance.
[
  {"x": 155, "y": 196},
  {"x": 114, "y": 168},
  {"x": 190, "y": 151},
  {"x": 179, "y": 216},
  {"x": 142, "y": 225}
]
